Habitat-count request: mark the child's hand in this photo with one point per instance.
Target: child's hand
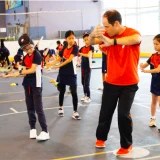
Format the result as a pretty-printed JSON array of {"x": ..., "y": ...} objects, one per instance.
[
  {"x": 141, "y": 66},
  {"x": 15, "y": 74},
  {"x": 144, "y": 71}
]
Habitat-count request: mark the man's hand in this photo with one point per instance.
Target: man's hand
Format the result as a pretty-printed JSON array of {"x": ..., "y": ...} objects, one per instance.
[{"x": 98, "y": 32}]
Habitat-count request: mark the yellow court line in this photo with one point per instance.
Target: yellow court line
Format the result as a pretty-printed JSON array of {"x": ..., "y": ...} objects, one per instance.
[
  {"x": 82, "y": 156},
  {"x": 102, "y": 153}
]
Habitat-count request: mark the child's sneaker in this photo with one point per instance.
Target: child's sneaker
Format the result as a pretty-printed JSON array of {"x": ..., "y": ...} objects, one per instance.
[
  {"x": 43, "y": 136},
  {"x": 83, "y": 98},
  {"x": 87, "y": 100},
  {"x": 152, "y": 122},
  {"x": 100, "y": 144},
  {"x": 61, "y": 112},
  {"x": 33, "y": 134},
  {"x": 124, "y": 151},
  {"x": 76, "y": 116}
]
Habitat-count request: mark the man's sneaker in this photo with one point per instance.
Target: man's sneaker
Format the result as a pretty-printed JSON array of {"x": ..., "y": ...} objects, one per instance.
[
  {"x": 61, "y": 112},
  {"x": 83, "y": 98},
  {"x": 76, "y": 116},
  {"x": 43, "y": 136},
  {"x": 100, "y": 144},
  {"x": 152, "y": 122},
  {"x": 87, "y": 100},
  {"x": 33, "y": 134},
  {"x": 124, "y": 151}
]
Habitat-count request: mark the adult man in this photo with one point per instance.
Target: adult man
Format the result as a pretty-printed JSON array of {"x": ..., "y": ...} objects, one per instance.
[{"x": 122, "y": 45}]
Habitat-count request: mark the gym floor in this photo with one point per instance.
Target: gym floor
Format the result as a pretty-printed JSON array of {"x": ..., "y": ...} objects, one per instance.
[{"x": 71, "y": 139}]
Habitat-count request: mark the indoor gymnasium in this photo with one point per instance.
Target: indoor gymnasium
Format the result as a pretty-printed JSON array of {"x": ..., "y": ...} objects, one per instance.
[{"x": 79, "y": 80}]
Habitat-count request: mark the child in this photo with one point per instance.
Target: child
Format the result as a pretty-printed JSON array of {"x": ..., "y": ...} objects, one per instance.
[
  {"x": 67, "y": 74},
  {"x": 154, "y": 62},
  {"x": 18, "y": 58},
  {"x": 4, "y": 54},
  {"x": 86, "y": 53},
  {"x": 59, "y": 47},
  {"x": 33, "y": 87},
  {"x": 48, "y": 54}
]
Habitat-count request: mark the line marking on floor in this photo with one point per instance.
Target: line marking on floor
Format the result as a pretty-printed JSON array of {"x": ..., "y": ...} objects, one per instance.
[
  {"x": 102, "y": 153},
  {"x": 18, "y": 100},
  {"x": 15, "y": 111},
  {"x": 48, "y": 77},
  {"x": 154, "y": 157},
  {"x": 144, "y": 106},
  {"x": 81, "y": 105},
  {"x": 4, "y": 81},
  {"x": 70, "y": 106},
  {"x": 12, "y": 92},
  {"x": 82, "y": 156}
]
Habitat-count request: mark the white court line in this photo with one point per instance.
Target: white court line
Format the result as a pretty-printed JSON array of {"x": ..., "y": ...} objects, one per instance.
[
  {"x": 12, "y": 109},
  {"x": 7, "y": 114},
  {"x": 138, "y": 104},
  {"x": 48, "y": 77},
  {"x": 4, "y": 81},
  {"x": 12, "y": 92},
  {"x": 20, "y": 100},
  {"x": 80, "y": 104},
  {"x": 154, "y": 157}
]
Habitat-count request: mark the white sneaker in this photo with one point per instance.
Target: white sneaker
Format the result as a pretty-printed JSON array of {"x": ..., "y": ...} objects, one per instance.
[
  {"x": 83, "y": 98},
  {"x": 76, "y": 116},
  {"x": 61, "y": 112},
  {"x": 87, "y": 100},
  {"x": 33, "y": 134},
  {"x": 152, "y": 122},
  {"x": 43, "y": 136}
]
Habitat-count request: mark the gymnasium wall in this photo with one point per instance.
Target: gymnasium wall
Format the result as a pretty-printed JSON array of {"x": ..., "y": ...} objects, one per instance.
[{"x": 63, "y": 15}]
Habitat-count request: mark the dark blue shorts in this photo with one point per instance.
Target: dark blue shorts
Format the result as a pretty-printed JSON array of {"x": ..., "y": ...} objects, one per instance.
[
  {"x": 155, "y": 85},
  {"x": 70, "y": 80}
]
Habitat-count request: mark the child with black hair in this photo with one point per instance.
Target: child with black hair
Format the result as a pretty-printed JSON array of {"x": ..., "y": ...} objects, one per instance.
[
  {"x": 59, "y": 46},
  {"x": 4, "y": 54},
  {"x": 33, "y": 87},
  {"x": 67, "y": 74},
  {"x": 18, "y": 59},
  {"x": 86, "y": 53},
  {"x": 154, "y": 62}
]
